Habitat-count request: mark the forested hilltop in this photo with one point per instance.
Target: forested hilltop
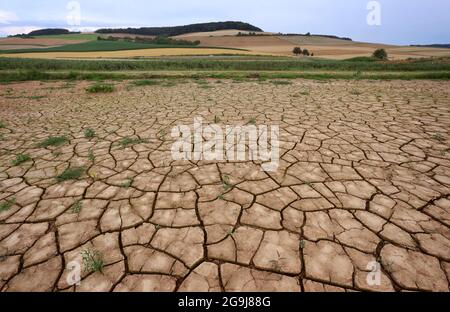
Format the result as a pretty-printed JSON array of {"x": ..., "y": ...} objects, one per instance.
[{"x": 180, "y": 30}]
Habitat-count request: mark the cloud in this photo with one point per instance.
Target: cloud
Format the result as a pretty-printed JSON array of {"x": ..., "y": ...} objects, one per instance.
[
  {"x": 6, "y": 17},
  {"x": 14, "y": 30}
]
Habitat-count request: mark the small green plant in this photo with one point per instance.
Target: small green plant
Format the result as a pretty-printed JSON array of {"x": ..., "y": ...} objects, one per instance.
[
  {"x": 89, "y": 133},
  {"x": 216, "y": 119},
  {"x": 127, "y": 183},
  {"x": 302, "y": 244},
  {"x": 70, "y": 174},
  {"x": 100, "y": 88},
  {"x": 281, "y": 82},
  {"x": 231, "y": 231},
  {"x": 7, "y": 204},
  {"x": 438, "y": 137},
  {"x": 91, "y": 155},
  {"x": 127, "y": 141},
  {"x": 252, "y": 121},
  {"x": 92, "y": 260},
  {"x": 21, "y": 158},
  {"x": 76, "y": 208},
  {"x": 2, "y": 125},
  {"x": 145, "y": 82},
  {"x": 53, "y": 141},
  {"x": 37, "y": 97},
  {"x": 162, "y": 134}
]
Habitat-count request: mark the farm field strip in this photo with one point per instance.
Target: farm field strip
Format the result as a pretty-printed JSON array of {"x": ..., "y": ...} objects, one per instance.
[{"x": 154, "y": 52}]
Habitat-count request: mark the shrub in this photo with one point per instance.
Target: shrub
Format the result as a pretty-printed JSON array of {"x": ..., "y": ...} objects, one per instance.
[
  {"x": 380, "y": 54},
  {"x": 297, "y": 51},
  {"x": 305, "y": 52}
]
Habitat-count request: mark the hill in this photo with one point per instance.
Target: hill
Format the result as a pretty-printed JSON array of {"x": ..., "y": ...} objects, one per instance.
[
  {"x": 49, "y": 31},
  {"x": 444, "y": 46},
  {"x": 180, "y": 30}
]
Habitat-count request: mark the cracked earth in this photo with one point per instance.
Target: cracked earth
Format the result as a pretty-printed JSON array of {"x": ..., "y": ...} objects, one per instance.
[{"x": 364, "y": 177}]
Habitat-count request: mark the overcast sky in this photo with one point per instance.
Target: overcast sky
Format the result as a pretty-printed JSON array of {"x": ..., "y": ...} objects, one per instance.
[{"x": 402, "y": 21}]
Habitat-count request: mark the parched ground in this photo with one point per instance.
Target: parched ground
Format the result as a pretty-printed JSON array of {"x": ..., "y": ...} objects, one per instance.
[{"x": 364, "y": 176}]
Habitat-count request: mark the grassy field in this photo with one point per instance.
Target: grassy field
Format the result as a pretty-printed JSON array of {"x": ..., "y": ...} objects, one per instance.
[
  {"x": 243, "y": 67},
  {"x": 238, "y": 76},
  {"x": 251, "y": 63}
]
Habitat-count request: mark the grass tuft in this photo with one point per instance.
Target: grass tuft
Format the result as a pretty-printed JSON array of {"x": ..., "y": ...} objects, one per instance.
[
  {"x": 70, "y": 174},
  {"x": 92, "y": 260},
  {"x": 100, "y": 88},
  {"x": 281, "y": 82},
  {"x": 76, "y": 208},
  {"x": 127, "y": 141},
  {"x": 53, "y": 141},
  {"x": 91, "y": 155},
  {"x": 21, "y": 158},
  {"x": 7, "y": 204},
  {"x": 145, "y": 82},
  {"x": 89, "y": 133},
  {"x": 127, "y": 183}
]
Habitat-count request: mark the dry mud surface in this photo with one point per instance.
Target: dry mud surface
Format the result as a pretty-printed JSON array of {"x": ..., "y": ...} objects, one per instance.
[{"x": 364, "y": 176}]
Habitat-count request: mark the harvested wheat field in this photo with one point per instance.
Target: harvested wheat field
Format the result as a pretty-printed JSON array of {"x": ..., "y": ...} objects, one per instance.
[
  {"x": 88, "y": 179},
  {"x": 32, "y": 43},
  {"x": 155, "y": 52},
  {"x": 324, "y": 47}
]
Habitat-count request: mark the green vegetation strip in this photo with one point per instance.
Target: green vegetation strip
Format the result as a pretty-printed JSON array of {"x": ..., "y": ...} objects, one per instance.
[
  {"x": 228, "y": 64},
  {"x": 12, "y": 76}
]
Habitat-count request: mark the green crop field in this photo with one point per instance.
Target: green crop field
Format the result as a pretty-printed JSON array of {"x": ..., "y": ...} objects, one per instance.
[{"x": 251, "y": 63}]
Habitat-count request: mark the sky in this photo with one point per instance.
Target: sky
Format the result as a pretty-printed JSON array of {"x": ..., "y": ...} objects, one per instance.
[{"x": 390, "y": 21}]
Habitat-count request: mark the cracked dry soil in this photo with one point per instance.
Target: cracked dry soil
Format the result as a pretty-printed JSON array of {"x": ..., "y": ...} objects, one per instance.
[{"x": 364, "y": 176}]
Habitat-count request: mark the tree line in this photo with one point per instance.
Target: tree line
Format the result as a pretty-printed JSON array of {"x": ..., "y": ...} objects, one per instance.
[{"x": 180, "y": 30}]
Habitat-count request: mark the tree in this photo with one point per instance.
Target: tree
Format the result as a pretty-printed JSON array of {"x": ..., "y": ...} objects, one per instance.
[
  {"x": 305, "y": 52},
  {"x": 297, "y": 51},
  {"x": 380, "y": 54}
]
